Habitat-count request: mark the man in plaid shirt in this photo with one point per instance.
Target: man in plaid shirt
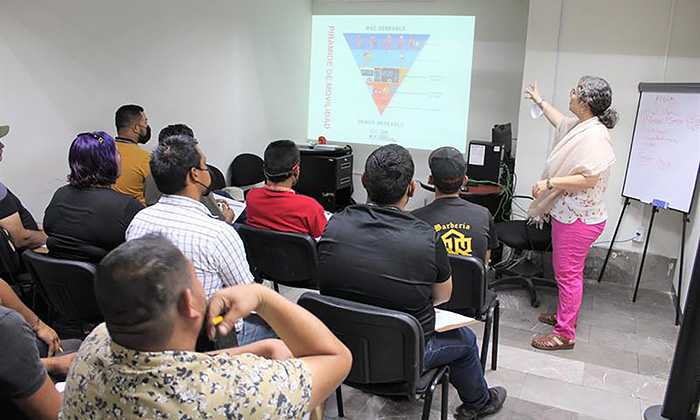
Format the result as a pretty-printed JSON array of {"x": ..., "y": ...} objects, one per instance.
[{"x": 180, "y": 171}]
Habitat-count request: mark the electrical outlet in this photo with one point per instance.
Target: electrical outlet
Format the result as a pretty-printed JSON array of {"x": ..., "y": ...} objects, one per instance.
[{"x": 638, "y": 234}]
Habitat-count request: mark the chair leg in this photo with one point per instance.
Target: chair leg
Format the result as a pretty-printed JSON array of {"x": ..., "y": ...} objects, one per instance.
[
  {"x": 427, "y": 404},
  {"x": 445, "y": 395},
  {"x": 496, "y": 323},
  {"x": 487, "y": 335},
  {"x": 339, "y": 401},
  {"x": 518, "y": 280}
]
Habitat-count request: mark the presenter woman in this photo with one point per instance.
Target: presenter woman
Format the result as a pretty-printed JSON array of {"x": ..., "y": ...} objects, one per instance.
[{"x": 570, "y": 193}]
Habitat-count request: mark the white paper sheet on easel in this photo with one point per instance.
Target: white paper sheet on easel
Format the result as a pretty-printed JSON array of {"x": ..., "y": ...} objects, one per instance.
[{"x": 477, "y": 153}]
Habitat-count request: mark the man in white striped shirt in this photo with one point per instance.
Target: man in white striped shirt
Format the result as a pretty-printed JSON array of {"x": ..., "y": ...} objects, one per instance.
[{"x": 180, "y": 171}]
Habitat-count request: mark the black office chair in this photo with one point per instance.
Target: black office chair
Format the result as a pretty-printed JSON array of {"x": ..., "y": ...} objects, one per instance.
[
  {"x": 281, "y": 257},
  {"x": 11, "y": 268},
  {"x": 471, "y": 297},
  {"x": 523, "y": 237},
  {"x": 387, "y": 350},
  {"x": 68, "y": 287},
  {"x": 218, "y": 182},
  {"x": 245, "y": 171}
]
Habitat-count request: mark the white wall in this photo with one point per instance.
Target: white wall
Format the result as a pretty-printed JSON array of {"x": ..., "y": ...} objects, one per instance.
[
  {"x": 235, "y": 71},
  {"x": 499, "y": 51},
  {"x": 624, "y": 41}
]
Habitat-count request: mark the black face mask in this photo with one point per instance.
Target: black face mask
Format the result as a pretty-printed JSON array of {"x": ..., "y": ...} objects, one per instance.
[
  {"x": 211, "y": 182},
  {"x": 145, "y": 138}
]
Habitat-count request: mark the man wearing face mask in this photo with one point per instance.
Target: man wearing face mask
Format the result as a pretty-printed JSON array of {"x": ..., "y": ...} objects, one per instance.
[
  {"x": 152, "y": 194},
  {"x": 132, "y": 130},
  {"x": 179, "y": 168},
  {"x": 277, "y": 206}
]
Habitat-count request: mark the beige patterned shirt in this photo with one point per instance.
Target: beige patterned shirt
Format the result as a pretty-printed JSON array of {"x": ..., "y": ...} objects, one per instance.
[{"x": 108, "y": 381}]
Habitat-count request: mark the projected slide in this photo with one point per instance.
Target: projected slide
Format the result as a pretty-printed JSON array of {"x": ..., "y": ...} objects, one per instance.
[{"x": 391, "y": 79}]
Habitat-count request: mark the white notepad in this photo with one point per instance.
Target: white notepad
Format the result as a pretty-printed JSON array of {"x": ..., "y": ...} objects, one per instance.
[
  {"x": 446, "y": 320},
  {"x": 234, "y": 205}
]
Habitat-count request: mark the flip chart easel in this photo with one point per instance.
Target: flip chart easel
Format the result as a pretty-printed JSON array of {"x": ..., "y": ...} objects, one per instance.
[{"x": 662, "y": 168}]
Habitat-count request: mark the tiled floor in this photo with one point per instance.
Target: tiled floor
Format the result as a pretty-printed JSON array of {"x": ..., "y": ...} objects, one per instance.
[{"x": 618, "y": 368}]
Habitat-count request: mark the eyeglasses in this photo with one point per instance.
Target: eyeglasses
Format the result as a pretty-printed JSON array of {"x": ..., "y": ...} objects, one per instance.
[{"x": 94, "y": 136}]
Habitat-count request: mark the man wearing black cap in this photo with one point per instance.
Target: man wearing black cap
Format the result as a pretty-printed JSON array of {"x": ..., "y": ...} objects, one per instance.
[
  {"x": 14, "y": 218},
  {"x": 465, "y": 228}
]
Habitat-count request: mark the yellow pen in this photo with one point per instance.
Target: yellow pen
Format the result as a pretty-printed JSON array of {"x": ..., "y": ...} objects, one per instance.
[{"x": 218, "y": 320}]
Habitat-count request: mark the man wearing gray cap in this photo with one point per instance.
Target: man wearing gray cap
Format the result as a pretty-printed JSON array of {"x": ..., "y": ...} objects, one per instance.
[
  {"x": 14, "y": 217},
  {"x": 465, "y": 228}
]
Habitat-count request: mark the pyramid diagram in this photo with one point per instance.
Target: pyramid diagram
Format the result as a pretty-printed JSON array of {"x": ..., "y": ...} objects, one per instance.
[{"x": 384, "y": 60}]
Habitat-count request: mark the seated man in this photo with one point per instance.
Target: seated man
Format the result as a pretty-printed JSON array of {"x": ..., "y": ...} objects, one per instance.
[
  {"x": 26, "y": 390},
  {"x": 379, "y": 255},
  {"x": 465, "y": 228},
  {"x": 179, "y": 168},
  {"x": 150, "y": 190},
  {"x": 277, "y": 206},
  {"x": 132, "y": 130},
  {"x": 14, "y": 218},
  {"x": 49, "y": 339},
  {"x": 141, "y": 362}
]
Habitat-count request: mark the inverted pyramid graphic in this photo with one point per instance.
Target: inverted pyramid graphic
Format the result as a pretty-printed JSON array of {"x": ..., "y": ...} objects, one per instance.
[{"x": 384, "y": 61}]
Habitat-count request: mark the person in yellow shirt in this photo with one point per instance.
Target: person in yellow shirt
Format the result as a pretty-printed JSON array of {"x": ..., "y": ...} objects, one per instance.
[{"x": 132, "y": 130}]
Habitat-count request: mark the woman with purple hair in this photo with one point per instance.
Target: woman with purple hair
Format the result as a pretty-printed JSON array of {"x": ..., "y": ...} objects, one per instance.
[{"x": 86, "y": 218}]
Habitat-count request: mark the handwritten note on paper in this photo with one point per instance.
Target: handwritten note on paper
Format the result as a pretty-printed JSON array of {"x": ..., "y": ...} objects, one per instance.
[{"x": 665, "y": 151}]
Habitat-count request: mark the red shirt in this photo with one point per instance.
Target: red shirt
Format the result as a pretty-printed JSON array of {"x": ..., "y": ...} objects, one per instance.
[{"x": 285, "y": 211}]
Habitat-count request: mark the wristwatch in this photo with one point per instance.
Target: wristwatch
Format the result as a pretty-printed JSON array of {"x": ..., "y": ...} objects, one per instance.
[{"x": 549, "y": 183}]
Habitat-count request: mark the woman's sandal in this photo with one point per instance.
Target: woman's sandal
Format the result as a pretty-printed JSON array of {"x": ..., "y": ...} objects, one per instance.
[
  {"x": 553, "y": 342},
  {"x": 550, "y": 319}
]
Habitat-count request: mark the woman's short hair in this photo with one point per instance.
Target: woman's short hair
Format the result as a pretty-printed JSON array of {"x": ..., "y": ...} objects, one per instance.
[
  {"x": 93, "y": 160},
  {"x": 596, "y": 92}
]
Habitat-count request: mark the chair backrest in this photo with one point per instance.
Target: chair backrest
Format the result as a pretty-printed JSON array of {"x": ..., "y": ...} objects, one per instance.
[
  {"x": 387, "y": 346},
  {"x": 68, "y": 285},
  {"x": 9, "y": 258},
  {"x": 246, "y": 169},
  {"x": 218, "y": 182},
  {"x": 283, "y": 257},
  {"x": 468, "y": 285}
]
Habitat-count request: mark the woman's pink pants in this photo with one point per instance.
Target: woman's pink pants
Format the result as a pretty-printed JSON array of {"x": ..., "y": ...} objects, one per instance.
[{"x": 570, "y": 247}]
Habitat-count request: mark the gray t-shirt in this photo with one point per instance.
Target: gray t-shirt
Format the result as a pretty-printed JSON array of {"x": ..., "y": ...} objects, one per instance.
[
  {"x": 465, "y": 228},
  {"x": 21, "y": 370}
]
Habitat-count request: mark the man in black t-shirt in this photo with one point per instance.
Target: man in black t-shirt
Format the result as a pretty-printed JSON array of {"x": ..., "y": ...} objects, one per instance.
[
  {"x": 465, "y": 228},
  {"x": 378, "y": 254},
  {"x": 26, "y": 390},
  {"x": 14, "y": 218}
]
